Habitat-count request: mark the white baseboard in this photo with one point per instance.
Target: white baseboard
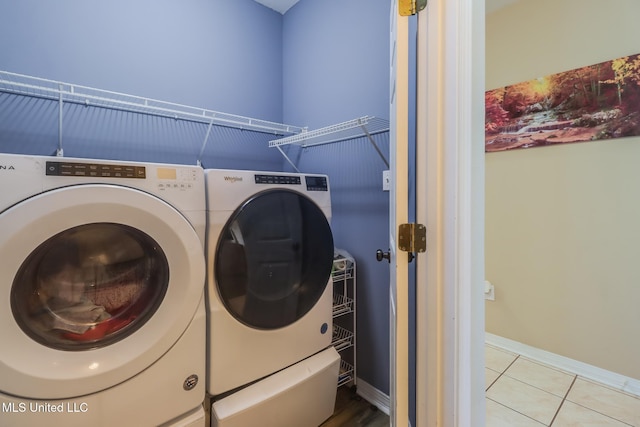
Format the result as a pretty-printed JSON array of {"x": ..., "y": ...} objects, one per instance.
[
  {"x": 373, "y": 395},
  {"x": 602, "y": 376}
]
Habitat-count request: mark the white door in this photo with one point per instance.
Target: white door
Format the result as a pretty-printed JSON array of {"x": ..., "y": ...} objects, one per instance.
[
  {"x": 399, "y": 213},
  {"x": 450, "y": 202}
]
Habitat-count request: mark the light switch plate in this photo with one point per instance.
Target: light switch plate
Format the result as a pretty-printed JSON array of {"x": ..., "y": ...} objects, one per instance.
[{"x": 386, "y": 180}]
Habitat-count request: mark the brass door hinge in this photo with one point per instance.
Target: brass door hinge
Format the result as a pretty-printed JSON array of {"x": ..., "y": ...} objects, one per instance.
[
  {"x": 411, "y": 7},
  {"x": 412, "y": 238}
]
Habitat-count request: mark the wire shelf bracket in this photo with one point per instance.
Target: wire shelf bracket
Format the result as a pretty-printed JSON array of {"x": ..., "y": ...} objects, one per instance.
[{"x": 365, "y": 126}]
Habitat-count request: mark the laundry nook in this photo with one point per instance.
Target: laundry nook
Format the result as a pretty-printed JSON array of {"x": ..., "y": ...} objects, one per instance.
[{"x": 186, "y": 192}]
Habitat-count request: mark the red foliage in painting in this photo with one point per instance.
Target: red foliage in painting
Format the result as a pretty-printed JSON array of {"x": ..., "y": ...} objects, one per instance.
[{"x": 495, "y": 115}]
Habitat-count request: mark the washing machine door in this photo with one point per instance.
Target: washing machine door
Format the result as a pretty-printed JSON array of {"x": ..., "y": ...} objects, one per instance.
[
  {"x": 274, "y": 259},
  {"x": 97, "y": 283}
]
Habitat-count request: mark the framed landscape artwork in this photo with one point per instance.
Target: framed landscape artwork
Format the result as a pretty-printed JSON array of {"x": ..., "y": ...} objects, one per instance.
[{"x": 596, "y": 102}]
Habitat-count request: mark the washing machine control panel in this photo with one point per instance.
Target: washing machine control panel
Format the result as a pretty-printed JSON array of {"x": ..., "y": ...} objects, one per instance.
[
  {"x": 176, "y": 179},
  {"x": 95, "y": 170}
]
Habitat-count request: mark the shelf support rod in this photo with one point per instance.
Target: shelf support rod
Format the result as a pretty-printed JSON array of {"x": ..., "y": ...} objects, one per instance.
[
  {"x": 366, "y": 132},
  {"x": 206, "y": 139},
  {"x": 288, "y": 159},
  {"x": 60, "y": 151}
]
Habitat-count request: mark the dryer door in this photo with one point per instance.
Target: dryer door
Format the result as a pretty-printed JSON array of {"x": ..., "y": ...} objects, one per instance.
[
  {"x": 98, "y": 282},
  {"x": 274, "y": 259}
]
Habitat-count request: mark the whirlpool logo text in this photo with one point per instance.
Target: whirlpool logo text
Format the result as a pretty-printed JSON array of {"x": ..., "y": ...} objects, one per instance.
[{"x": 233, "y": 179}]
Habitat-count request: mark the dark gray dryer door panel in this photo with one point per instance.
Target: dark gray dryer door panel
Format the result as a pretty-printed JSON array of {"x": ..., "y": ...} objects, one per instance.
[{"x": 274, "y": 259}]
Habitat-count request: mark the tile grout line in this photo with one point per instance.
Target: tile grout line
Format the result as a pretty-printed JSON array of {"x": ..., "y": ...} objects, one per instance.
[
  {"x": 566, "y": 395},
  {"x": 516, "y": 411},
  {"x": 575, "y": 377},
  {"x": 597, "y": 411},
  {"x": 502, "y": 373}
]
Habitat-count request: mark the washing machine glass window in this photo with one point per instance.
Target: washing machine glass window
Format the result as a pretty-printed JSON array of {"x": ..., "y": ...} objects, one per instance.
[
  {"x": 273, "y": 259},
  {"x": 89, "y": 286}
]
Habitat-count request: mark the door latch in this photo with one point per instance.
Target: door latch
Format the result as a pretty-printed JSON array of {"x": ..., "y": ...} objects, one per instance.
[{"x": 412, "y": 238}]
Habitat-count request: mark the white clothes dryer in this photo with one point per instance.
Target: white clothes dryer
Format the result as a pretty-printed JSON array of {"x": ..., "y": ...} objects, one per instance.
[
  {"x": 102, "y": 274},
  {"x": 269, "y": 258}
]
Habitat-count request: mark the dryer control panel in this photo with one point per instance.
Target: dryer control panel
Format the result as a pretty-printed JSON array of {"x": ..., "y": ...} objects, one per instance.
[
  {"x": 313, "y": 182},
  {"x": 277, "y": 179},
  {"x": 316, "y": 183}
]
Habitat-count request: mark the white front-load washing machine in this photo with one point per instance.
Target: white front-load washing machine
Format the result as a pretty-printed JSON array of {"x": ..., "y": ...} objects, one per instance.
[
  {"x": 102, "y": 273},
  {"x": 269, "y": 298}
]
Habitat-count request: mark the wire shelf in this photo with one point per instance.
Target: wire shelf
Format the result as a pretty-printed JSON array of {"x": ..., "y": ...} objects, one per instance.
[
  {"x": 342, "y": 269},
  {"x": 342, "y": 338},
  {"x": 344, "y": 313},
  {"x": 356, "y": 128},
  {"x": 342, "y": 305},
  {"x": 342, "y": 275},
  {"x": 345, "y": 374},
  {"x": 24, "y": 85}
]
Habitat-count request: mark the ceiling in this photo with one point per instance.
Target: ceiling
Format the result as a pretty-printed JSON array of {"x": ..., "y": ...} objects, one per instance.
[
  {"x": 278, "y": 5},
  {"x": 283, "y": 5}
]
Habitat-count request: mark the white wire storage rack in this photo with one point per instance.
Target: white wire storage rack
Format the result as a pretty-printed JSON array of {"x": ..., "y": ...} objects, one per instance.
[
  {"x": 365, "y": 126},
  {"x": 344, "y": 317},
  {"x": 62, "y": 92}
]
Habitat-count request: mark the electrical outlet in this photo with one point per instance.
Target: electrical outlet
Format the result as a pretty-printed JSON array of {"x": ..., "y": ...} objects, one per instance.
[
  {"x": 386, "y": 180},
  {"x": 489, "y": 291}
]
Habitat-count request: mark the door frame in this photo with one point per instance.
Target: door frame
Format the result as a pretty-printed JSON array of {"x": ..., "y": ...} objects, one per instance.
[{"x": 450, "y": 201}]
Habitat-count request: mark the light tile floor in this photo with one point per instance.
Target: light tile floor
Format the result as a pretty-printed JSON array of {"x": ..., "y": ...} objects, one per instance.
[{"x": 523, "y": 393}]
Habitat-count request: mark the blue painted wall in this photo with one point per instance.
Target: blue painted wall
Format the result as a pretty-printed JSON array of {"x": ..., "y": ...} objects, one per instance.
[
  {"x": 336, "y": 61},
  {"x": 336, "y": 68},
  {"x": 224, "y": 55}
]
